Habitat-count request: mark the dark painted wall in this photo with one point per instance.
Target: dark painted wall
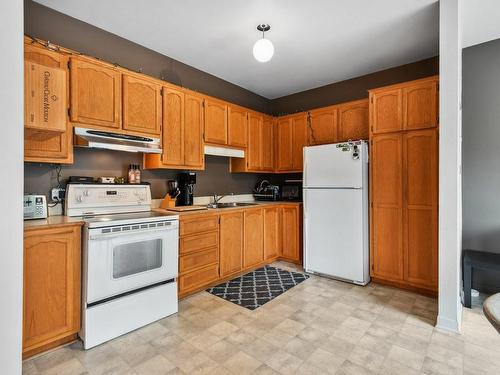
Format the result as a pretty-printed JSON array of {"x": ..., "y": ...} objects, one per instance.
[
  {"x": 481, "y": 155},
  {"x": 353, "y": 89}
]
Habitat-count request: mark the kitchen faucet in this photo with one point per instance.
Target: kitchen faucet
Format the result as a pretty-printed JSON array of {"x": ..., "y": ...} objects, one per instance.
[{"x": 217, "y": 199}]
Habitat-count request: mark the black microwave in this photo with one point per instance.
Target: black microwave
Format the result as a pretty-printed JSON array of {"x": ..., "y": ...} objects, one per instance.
[{"x": 291, "y": 190}]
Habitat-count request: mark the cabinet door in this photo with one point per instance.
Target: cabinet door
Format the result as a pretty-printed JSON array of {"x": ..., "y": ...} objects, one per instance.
[
  {"x": 290, "y": 233},
  {"x": 237, "y": 126},
  {"x": 420, "y": 167},
  {"x": 387, "y": 210},
  {"x": 323, "y": 126},
  {"x": 141, "y": 105},
  {"x": 253, "y": 250},
  {"x": 193, "y": 131},
  {"x": 41, "y": 146},
  {"x": 272, "y": 238},
  {"x": 215, "y": 122},
  {"x": 254, "y": 142},
  {"x": 386, "y": 111},
  {"x": 173, "y": 127},
  {"x": 284, "y": 146},
  {"x": 45, "y": 94},
  {"x": 231, "y": 242},
  {"x": 420, "y": 105},
  {"x": 267, "y": 144},
  {"x": 95, "y": 94},
  {"x": 51, "y": 309},
  {"x": 353, "y": 121},
  {"x": 299, "y": 141}
]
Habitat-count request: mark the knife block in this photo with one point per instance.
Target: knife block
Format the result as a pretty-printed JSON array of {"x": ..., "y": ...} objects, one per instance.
[{"x": 167, "y": 202}]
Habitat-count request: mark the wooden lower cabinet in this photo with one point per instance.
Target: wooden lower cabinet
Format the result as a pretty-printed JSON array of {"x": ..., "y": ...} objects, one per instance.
[
  {"x": 215, "y": 247},
  {"x": 52, "y": 284},
  {"x": 231, "y": 242},
  {"x": 253, "y": 248}
]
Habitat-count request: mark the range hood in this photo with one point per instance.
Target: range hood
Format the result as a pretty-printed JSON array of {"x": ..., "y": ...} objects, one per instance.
[
  {"x": 114, "y": 141},
  {"x": 224, "y": 151}
]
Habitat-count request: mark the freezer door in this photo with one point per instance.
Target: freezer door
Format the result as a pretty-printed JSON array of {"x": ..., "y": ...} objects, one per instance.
[
  {"x": 330, "y": 166},
  {"x": 336, "y": 233}
]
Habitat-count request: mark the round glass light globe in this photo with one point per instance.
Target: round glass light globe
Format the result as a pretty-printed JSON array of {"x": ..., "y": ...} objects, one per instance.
[{"x": 263, "y": 50}]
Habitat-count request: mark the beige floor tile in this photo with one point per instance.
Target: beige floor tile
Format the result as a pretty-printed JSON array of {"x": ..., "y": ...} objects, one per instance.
[
  {"x": 220, "y": 351},
  {"x": 152, "y": 331},
  {"x": 240, "y": 337},
  {"x": 54, "y": 358},
  {"x": 378, "y": 345},
  {"x": 299, "y": 348},
  {"x": 448, "y": 341},
  {"x": 139, "y": 354},
  {"x": 290, "y": 327},
  {"x": 277, "y": 337},
  {"x": 433, "y": 367},
  {"x": 326, "y": 361},
  {"x": 447, "y": 356},
  {"x": 338, "y": 346},
  {"x": 113, "y": 366},
  {"x": 94, "y": 357},
  {"x": 260, "y": 349},
  {"x": 70, "y": 367},
  {"x": 29, "y": 368},
  {"x": 284, "y": 362},
  {"x": 158, "y": 365},
  {"x": 265, "y": 370},
  {"x": 312, "y": 335},
  {"x": 412, "y": 343},
  {"x": 391, "y": 367},
  {"x": 198, "y": 364},
  {"x": 406, "y": 357},
  {"x": 204, "y": 339},
  {"x": 223, "y": 329},
  {"x": 308, "y": 368},
  {"x": 181, "y": 353},
  {"x": 242, "y": 363},
  {"x": 366, "y": 358},
  {"x": 350, "y": 368},
  {"x": 166, "y": 343},
  {"x": 380, "y": 331}
]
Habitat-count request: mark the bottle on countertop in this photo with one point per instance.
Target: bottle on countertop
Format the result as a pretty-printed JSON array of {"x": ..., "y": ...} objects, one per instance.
[
  {"x": 131, "y": 174},
  {"x": 137, "y": 173}
]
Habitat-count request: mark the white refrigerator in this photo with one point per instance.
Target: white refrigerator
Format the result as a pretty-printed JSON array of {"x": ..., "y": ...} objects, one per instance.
[{"x": 335, "y": 194}]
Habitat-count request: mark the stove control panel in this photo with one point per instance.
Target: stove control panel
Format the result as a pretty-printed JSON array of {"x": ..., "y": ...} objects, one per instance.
[{"x": 87, "y": 199}]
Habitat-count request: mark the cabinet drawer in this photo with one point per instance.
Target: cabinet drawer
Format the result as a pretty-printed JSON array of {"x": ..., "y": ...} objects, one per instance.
[
  {"x": 198, "y": 224},
  {"x": 196, "y": 260},
  {"x": 199, "y": 278},
  {"x": 197, "y": 242}
]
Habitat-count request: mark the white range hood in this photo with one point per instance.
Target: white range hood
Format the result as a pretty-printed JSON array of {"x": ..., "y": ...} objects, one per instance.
[{"x": 224, "y": 151}]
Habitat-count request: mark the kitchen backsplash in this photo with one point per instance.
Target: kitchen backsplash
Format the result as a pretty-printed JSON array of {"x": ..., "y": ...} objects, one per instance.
[{"x": 40, "y": 178}]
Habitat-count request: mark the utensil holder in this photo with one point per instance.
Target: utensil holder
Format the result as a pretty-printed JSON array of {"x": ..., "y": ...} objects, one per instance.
[{"x": 167, "y": 202}]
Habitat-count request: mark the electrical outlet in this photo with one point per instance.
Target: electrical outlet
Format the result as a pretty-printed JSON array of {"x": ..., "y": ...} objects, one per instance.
[{"x": 57, "y": 194}]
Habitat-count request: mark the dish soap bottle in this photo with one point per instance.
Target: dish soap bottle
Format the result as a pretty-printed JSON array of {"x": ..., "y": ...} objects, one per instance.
[
  {"x": 131, "y": 174},
  {"x": 137, "y": 173}
]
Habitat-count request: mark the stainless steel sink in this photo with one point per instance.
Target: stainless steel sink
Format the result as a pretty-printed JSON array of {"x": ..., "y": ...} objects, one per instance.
[{"x": 234, "y": 204}]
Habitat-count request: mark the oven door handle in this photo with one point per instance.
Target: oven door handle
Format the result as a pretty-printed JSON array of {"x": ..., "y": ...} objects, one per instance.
[{"x": 108, "y": 236}]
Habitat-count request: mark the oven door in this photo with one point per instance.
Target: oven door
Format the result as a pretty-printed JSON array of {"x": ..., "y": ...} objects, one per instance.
[{"x": 119, "y": 261}]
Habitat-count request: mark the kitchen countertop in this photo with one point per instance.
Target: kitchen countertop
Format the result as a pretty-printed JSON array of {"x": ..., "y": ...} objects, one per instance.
[
  {"x": 221, "y": 210},
  {"x": 52, "y": 221}
]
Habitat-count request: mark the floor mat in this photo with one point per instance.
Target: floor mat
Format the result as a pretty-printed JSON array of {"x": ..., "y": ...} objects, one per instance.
[{"x": 258, "y": 287}]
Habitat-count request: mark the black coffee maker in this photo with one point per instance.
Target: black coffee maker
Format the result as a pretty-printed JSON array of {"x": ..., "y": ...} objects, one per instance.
[{"x": 187, "y": 180}]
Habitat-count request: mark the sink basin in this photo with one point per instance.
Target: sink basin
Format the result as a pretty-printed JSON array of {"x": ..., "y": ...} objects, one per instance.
[{"x": 234, "y": 204}]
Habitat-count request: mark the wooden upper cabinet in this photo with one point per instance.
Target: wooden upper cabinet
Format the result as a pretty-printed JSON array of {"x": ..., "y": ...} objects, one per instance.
[
  {"x": 237, "y": 126},
  {"x": 387, "y": 211},
  {"x": 173, "y": 127},
  {"x": 45, "y": 94},
  {"x": 216, "y": 121},
  {"x": 231, "y": 242},
  {"x": 299, "y": 140},
  {"x": 253, "y": 249},
  {"x": 267, "y": 144},
  {"x": 323, "y": 125},
  {"x": 95, "y": 93},
  {"x": 290, "y": 240},
  {"x": 386, "y": 110},
  {"x": 420, "y": 108},
  {"x": 254, "y": 149},
  {"x": 52, "y": 283},
  {"x": 284, "y": 144},
  {"x": 420, "y": 164},
  {"x": 272, "y": 238},
  {"x": 40, "y": 145},
  {"x": 194, "y": 156},
  {"x": 141, "y": 105},
  {"x": 353, "y": 121}
]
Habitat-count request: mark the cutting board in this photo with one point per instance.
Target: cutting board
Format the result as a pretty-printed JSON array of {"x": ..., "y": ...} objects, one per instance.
[{"x": 187, "y": 208}]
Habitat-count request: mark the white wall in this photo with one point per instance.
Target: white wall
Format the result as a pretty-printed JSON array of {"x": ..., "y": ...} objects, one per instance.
[
  {"x": 11, "y": 188},
  {"x": 450, "y": 180}
]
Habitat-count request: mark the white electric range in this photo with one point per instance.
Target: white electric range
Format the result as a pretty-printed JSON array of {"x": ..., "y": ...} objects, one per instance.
[{"x": 130, "y": 257}]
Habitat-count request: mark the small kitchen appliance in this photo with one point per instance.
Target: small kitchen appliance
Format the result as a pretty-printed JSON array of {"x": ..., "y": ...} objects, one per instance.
[
  {"x": 336, "y": 242},
  {"x": 291, "y": 190},
  {"x": 187, "y": 180},
  {"x": 35, "y": 207},
  {"x": 130, "y": 259},
  {"x": 265, "y": 191}
]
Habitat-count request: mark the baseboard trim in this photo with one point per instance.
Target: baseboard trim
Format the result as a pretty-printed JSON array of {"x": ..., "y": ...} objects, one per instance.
[{"x": 448, "y": 324}]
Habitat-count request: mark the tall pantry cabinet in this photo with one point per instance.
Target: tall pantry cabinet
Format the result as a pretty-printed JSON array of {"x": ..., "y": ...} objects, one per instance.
[{"x": 404, "y": 184}]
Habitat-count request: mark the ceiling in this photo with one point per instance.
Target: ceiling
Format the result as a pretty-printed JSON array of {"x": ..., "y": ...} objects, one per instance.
[
  {"x": 316, "y": 42},
  {"x": 480, "y": 21}
]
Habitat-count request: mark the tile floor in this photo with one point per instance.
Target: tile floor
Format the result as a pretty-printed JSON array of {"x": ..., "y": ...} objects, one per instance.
[{"x": 318, "y": 327}]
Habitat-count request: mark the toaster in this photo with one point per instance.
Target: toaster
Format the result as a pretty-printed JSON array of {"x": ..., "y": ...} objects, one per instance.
[{"x": 35, "y": 207}]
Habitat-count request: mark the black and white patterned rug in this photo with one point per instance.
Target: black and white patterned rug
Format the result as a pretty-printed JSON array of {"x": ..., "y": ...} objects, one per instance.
[{"x": 256, "y": 288}]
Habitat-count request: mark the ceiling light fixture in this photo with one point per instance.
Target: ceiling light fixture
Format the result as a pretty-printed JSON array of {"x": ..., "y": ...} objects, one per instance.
[{"x": 263, "y": 49}]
